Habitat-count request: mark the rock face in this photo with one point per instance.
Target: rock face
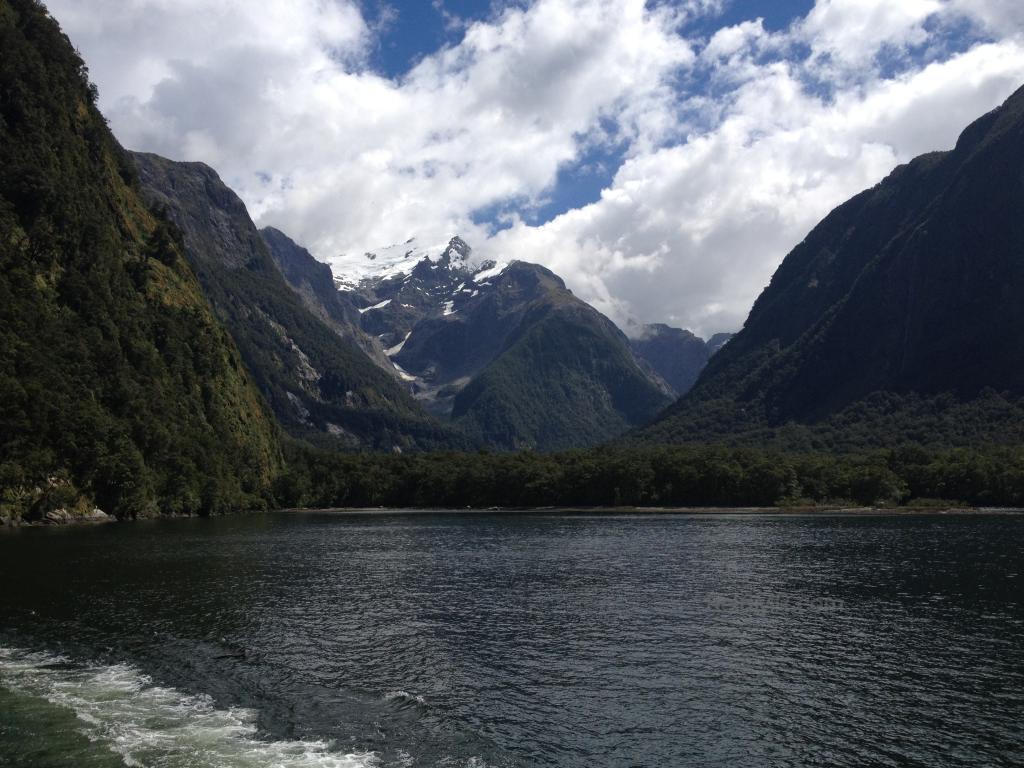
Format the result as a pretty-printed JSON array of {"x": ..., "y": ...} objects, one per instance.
[
  {"x": 320, "y": 384},
  {"x": 905, "y": 297},
  {"x": 115, "y": 376},
  {"x": 504, "y": 350},
  {"x": 64, "y": 517},
  {"x": 677, "y": 356},
  {"x": 314, "y": 283}
]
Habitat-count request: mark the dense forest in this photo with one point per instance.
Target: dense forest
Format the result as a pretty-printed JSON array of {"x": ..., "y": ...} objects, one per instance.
[
  {"x": 665, "y": 476},
  {"x": 118, "y": 387}
]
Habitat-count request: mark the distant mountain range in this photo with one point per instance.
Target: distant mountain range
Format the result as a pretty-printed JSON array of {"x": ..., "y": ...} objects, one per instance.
[
  {"x": 504, "y": 351},
  {"x": 416, "y": 349},
  {"x": 677, "y": 356},
  {"x": 898, "y": 318}
]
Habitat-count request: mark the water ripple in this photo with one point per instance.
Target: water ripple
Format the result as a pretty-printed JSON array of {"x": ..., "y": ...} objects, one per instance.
[{"x": 551, "y": 640}]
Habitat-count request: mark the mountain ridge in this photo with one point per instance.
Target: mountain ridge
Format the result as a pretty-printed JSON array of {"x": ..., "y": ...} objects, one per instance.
[
  {"x": 321, "y": 386},
  {"x": 461, "y": 333},
  {"x": 905, "y": 290}
]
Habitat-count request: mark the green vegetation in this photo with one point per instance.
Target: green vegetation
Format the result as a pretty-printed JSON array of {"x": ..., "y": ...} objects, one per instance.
[
  {"x": 117, "y": 385},
  {"x": 667, "y": 476},
  {"x": 566, "y": 379},
  {"x": 883, "y": 419},
  {"x": 564, "y": 376}
]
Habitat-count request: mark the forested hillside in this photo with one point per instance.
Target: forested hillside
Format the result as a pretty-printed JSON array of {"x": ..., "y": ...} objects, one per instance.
[{"x": 118, "y": 387}]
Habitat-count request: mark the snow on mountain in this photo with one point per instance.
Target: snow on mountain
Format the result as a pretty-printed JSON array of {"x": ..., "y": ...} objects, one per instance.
[
  {"x": 351, "y": 270},
  {"x": 381, "y": 305},
  {"x": 490, "y": 270}
]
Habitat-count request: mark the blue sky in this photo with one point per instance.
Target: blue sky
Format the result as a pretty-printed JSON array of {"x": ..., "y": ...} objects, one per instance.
[
  {"x": 414, "y": 29},
  {"x": 662, "y": 157},
  {"x": 409, "y": 31}
]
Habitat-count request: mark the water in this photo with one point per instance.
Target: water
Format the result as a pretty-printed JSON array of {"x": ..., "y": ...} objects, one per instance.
[{"x": 330, "y": 641}]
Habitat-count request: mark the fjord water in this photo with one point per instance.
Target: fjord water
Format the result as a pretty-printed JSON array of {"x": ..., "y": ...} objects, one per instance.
[{"x": 536, "y": 640}]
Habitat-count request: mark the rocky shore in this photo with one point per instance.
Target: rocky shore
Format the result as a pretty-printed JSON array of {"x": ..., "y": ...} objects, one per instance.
[{"x": 59, "y": 517}]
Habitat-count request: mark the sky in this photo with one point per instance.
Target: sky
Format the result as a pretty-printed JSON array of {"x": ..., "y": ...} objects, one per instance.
[{"x": 661, "y": 156}]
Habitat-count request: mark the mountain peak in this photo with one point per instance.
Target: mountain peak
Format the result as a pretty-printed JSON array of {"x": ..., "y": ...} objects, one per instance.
[
  {"x": 404, "y": 258},
  {"x": 458, "y": 246}
]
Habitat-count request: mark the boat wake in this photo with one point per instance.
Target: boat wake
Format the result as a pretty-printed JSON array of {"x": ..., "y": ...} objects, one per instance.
[{"x": 151, "y": 726}]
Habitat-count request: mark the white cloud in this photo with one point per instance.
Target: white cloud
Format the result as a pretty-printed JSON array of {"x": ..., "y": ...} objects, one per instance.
[
  {"x": 280, "y": 99},
  {"x": 850, "y": 32},
  {"x": 356, "y": 159},
  {"x": 1003, "y": 18},
  {"x": 693, "y": 232},
  {"x": 729, "y": 41}
]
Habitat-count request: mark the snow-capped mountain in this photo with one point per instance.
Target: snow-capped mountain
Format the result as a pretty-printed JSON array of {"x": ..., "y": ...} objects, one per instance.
[
  {"x": 503, "y": 350},
  {"x": 352, "y": 270},
  {"x": 500, "y": 347},
  {"x": 396, "y": 300}
]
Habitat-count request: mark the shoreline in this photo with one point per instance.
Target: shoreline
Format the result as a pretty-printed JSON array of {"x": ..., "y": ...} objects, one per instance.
[
  {"x": 7, "y": 524},
  {"x": 677, "y": 511}
]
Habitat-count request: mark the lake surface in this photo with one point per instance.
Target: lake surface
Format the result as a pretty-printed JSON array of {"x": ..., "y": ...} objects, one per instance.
[{"x": 330, "y": 640}]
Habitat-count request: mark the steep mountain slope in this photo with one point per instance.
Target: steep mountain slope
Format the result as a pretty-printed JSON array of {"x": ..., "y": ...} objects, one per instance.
[
  {"x": 117, "y": 385},
  {"x": 717, "y": 341},
  {"x": 902, "y": 306},
  {"x": 320, "y": 385},
  {"x": 314, "y": 283},
  {"x": 564, "y": 376},
  {"x": 505, "y": 350},
  {"x": 676, "y": 355}
]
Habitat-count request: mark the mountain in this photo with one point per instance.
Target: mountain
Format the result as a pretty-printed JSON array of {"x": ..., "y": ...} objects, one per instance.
[
  {"x": 397, "y": 259},
  {"x": 321, "y": 386},
  {"x": 899, "y": 316},
  {"x": 118, "y": 387},
  {"x": 677, "y": 356},
  {"x": 717, "y": 341},
  {"x": 504, "y": 350},
  {"x": 314, "y": 283}
]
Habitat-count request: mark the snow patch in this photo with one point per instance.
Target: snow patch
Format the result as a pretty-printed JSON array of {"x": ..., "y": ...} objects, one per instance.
[
  {"x": 351, "y": 269},
  {"x": 375, "y": 306},
  {"x": 493, "y": 271},
  {"x": 392, "y": 351},
  {"x": 403, "y": 374}
]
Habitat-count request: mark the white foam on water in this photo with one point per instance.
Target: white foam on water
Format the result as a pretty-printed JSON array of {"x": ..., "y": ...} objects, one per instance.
[
  {"x": 150, "y": 726},
  {"x": 404, "y": 696}
]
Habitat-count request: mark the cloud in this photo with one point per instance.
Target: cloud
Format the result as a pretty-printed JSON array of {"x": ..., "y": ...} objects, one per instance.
[
  {"x": 691, "y": 233},
  {"x": 851, "y": 32},
  {"x": 1002, "y": 18},
  {"x": 731, "y": 145},
  {"x": 354, "y": 159}
]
